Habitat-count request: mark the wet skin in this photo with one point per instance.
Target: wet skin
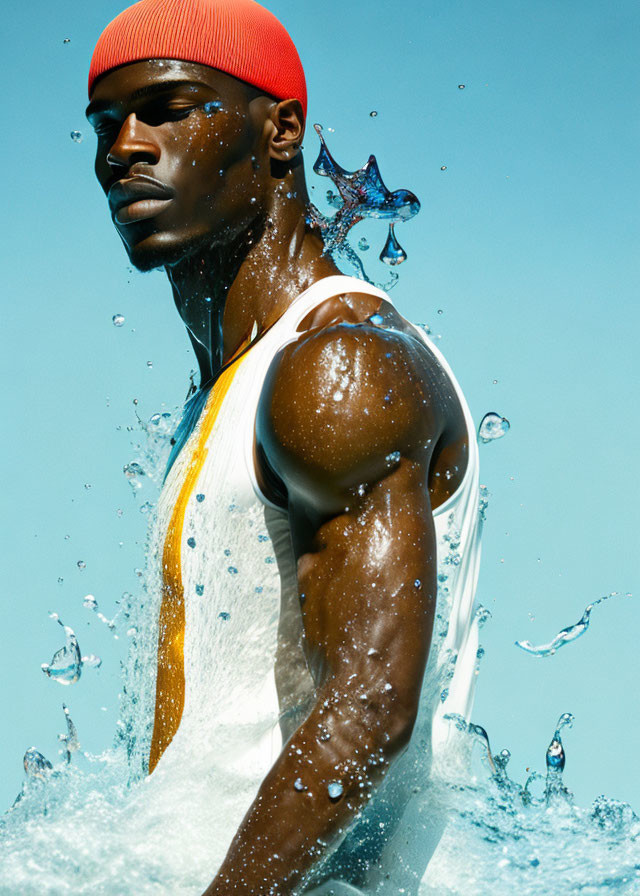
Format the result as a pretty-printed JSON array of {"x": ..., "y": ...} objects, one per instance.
[{"x": 357, "y": 434}]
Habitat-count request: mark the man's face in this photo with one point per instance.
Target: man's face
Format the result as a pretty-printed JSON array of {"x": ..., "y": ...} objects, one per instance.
[{"x": 181, "y": 155}]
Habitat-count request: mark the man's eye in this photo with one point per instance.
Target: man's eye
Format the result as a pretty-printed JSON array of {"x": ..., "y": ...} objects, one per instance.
[{"x": 157, "y": 115}]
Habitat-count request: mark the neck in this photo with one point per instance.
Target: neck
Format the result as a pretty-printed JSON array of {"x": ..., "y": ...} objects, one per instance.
[{"x": 226, "y": 294}]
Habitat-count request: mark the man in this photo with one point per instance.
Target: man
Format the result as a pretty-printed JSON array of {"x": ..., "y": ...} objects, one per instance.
[{"x": 323, "y": 478}]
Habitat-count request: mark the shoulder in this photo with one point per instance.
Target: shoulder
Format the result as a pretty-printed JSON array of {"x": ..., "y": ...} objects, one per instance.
[{"x": 344, "y": 397}]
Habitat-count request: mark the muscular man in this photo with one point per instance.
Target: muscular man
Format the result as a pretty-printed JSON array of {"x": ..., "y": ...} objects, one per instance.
[{"x": 320, "y": 507}]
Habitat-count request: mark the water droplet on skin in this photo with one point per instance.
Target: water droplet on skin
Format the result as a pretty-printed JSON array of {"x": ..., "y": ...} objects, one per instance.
[
  {"x": 492, "y": 427},
  {"x": 391, "y": 460},
  {"x": 298, "y": 785},
  {"x": 191, "y": 542},
  {"x": 224, "y": 615},
  {"x": 335, "y": 790},
  {"x": 118, "y": 320},
  {"x": 76, "y": 136},
  {"x": 81, "y": 564},
  {"x": 376, "y": 319},
  {"x": 212, "y": 107},
  {"x": 363, "y": 244},
  {"x": 393, "y": 253},
  {"x": 36, "y": 765},
  {"x": 373, "y": 114},
  {"x": 417, "y": 584}
]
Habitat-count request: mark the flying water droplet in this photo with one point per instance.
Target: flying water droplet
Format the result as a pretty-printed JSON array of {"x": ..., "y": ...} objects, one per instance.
[
  {"x": 76, "y": 136},
  {"x": 373, "y": 114},
  {"x": 134, "y": 472},
  {"x": 66, "y": 664},
  {"x": 66, "y": 40},
  {"x": 92, "y": 661},
  {"x": 81, "y": 564},
  {"x": 70, "y": 739},
  {"x": 493, "y": 427},
  {"x": 147, "y": 507},
  {"x": 461, "y": 86},
  {"x": 118, "y": 320},
  {"x": 566, "y": 635},
  {"x": 36, "y": 765},
  {"x": 443, "y": 167},
  {"x": 393, "y": 253},
  {"x": 89, "y": 602}
]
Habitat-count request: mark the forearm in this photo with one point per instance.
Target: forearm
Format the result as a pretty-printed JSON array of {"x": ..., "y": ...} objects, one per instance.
[{"x": 323, "y": 776}]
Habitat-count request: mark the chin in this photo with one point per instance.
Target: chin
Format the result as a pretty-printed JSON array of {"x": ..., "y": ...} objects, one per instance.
[{"x": 161, "y": 250}]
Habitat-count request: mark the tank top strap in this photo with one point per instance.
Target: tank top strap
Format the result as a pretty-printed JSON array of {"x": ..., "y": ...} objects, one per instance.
[{"x": 319, "y": 292}]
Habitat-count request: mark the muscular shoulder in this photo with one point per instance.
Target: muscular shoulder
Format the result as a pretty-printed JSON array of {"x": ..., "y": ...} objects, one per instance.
[{"x": 343, "y": 399}]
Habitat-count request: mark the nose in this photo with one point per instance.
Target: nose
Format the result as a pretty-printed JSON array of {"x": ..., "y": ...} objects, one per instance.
[{"x": 133, "y": 144}]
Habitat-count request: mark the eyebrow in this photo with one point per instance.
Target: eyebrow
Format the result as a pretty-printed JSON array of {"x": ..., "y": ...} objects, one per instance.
[{"x": 148, "y": 90}]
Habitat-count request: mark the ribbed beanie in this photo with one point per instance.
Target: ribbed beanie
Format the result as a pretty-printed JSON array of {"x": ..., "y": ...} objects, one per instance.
[{"x": 238, "y": 37}]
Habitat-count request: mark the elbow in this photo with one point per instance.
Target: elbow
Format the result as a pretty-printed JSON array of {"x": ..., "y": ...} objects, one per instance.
[{"x": 399, "y": 731}]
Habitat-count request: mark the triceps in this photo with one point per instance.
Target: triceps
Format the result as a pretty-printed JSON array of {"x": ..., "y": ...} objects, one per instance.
[{"x": 367, "y": 584}]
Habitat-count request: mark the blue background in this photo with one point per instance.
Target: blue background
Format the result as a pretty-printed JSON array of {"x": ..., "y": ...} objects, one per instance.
[{"x": 527, "y": 244}]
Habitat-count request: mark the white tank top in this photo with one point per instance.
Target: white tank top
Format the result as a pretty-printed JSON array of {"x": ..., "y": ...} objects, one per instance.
[{"x": 247, "y": 687}]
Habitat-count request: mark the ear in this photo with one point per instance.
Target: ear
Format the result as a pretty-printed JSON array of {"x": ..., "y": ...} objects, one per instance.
[{"x": 286, "y": 130}]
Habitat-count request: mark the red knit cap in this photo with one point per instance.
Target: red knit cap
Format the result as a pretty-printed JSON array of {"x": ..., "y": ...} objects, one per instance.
[{"x": 238, "y": 37}]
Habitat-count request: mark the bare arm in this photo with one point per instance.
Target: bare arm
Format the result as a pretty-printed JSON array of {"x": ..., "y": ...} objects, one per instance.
[{"x": 348, "y": 422}]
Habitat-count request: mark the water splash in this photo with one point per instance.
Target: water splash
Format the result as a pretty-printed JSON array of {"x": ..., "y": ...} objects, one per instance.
[
  {"x": 70, "y": 739},
  {"x": 493, "y": 427},
  {"x": 566, "y": 635},
  {"x": 361, "y": 194},
  {"x": 36, "y": 765},
  {"x": 66, "y": 664}
]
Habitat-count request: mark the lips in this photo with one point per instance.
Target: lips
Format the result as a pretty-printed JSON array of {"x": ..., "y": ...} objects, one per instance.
[{"x": 137, "y": 198}]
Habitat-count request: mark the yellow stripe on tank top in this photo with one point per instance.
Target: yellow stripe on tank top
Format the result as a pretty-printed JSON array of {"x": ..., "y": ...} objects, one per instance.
[{"x": 171, "y": 624}]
